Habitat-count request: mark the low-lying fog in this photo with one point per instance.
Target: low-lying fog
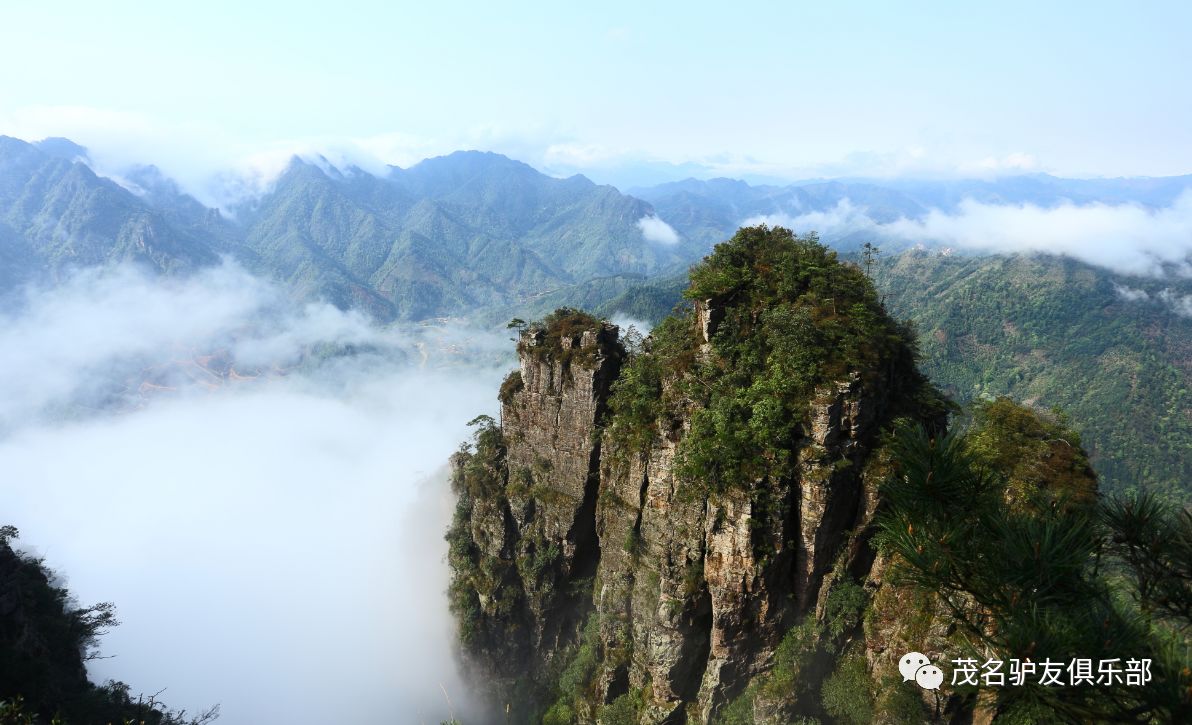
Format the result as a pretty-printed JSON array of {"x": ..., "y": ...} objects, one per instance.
[{"x": 269, "y": 522}]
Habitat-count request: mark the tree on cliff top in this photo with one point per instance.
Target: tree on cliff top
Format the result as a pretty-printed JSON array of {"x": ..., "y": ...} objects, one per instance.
[
  {"x": 1003, "y": 524},
  {"x": 791, "y": 318},
  {"x": 45, "y": 639}
]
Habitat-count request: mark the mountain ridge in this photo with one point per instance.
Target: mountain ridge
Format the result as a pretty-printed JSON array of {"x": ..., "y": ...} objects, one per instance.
[{"x": 443, "y": 237}]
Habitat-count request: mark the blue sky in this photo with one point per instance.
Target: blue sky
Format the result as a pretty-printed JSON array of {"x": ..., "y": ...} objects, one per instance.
[{"x": 618, "y": 90}]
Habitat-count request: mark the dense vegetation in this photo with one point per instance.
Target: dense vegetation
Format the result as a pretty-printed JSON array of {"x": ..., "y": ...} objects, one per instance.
[
  {"x": 456, "y": 235},
  {"x": 992, "y": 541},
  {"x": 45, "y": 640},
  {"x": 986, "y": 566},
  {"x": 1003, "y": 525},
  {"x": 1051, "y": 332},
  {"x": 794, "y": 320},
  {"x": 1056, "y": 333}
]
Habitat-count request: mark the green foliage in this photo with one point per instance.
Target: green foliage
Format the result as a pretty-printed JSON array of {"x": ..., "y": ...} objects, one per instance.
[
  {"x": 625, "y": 710},
  {"x": 476, "y": 475},
  {"x": 571, "y": 688},
  {"x": 45, "y": 641},
  {"x": 548, "y": 334},
  {"x": 1153, "y": 541},
  {"x": 559, "y": 714},
  {"x": 789, "y": 680},
  {"x": 794, "y": 319},
  {"x": 846, "y": 693},
  {"x": 1038, "y": 454},
  {"x": 896, "y": 702},
  {"x": 842, "y": 610},
  {"x": 1057, "y": 332},
  {"x": 739, "y": 711},
  {"x": 639, "y": 397},
  {"x": 544, "y": 557},
  {"x": 793, "y": 655},
  {"x": 1026, "y": 582},
  {"x": 510, "y": 386}
]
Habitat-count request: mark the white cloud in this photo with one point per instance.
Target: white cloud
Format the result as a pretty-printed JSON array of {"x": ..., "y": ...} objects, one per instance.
[
  {"x": 657, "y": 231},
  {"x": 840, "y": 219},
  {"x": 627, "y": 323},
  {"x": 121, "y": 322},
  {"x": 1130, "y": 294},
  {"x": 1128, "y": 238},
  {"x": 1180, "y": 304},
  {"x": 217, "y": 171},
  {"x": 1017, "y": 162},
  {"x": 275, "y": 546}
]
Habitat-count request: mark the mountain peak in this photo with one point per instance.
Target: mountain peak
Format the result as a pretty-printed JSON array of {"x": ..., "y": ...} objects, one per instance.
[
  {"x": 469, "y": 161},
  {"x": 63, "y": 148}
]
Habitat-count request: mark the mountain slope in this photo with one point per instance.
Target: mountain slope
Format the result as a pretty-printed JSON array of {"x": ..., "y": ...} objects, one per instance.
[
  {"x": 633, "y": 489},
  {"x": 56, "y": 215},
  {"x": 449, "y": 236},
  {"x": 1058, "y": 333},
  {"x": 1050, "y": 331}
]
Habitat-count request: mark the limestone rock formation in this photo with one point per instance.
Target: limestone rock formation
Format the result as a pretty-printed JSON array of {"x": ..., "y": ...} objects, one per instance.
[{"x": 590, "y": 560}]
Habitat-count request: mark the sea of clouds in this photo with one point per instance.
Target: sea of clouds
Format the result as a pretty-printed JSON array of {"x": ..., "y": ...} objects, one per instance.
[{"x": 273, "y": 544}]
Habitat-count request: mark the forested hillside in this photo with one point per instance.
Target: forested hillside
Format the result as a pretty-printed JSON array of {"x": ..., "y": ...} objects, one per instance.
[
  {"x": 750, "y": 516},
  {"x": 46, "y": 639},
  {"x": 1112, "y": 352},
  {"x": 1055, "y": 333},
  {"x": 451, "y": 236}
]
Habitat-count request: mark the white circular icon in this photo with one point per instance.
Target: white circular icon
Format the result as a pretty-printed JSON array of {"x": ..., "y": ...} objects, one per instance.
[
  {"x": 929, "y": 677},
  {"x": 910, "y": 663}
]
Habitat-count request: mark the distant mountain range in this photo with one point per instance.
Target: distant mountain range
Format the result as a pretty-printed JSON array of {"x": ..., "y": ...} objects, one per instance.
[
  {"x": 458, "y": 235},
  {"x": 482, "y": 236},
  {"x": 708, "y": 211},
  {"x": 445, "y": 237}
]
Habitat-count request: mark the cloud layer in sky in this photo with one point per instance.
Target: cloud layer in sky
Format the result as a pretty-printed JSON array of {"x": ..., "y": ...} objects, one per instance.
[
  {"x": 1128, "y": 238},
  {"x": 273, "y": 546},
  {"x": 220, "y": 170}
]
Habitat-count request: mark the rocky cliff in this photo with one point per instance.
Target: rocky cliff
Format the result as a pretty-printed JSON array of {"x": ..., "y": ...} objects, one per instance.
[{"x": 642, "y": 536}]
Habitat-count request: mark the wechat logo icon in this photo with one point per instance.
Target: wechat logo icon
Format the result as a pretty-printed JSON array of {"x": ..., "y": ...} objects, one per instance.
[{"x": 915, "y": 666}]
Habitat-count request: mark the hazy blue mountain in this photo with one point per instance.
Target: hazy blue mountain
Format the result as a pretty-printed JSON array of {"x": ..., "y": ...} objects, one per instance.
[
  {"x": 449, "y": 236},
  {"x": 707, "y": 211},
  {"x": 62, "y": 148},
  {"x": 57, "y": 214},
  {"x": 1045, "y": 190}
]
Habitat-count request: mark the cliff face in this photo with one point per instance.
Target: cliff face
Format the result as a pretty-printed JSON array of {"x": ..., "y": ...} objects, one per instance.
[
  {"x": 709, "y": 585},
  {"x": 597, "y": 514},
  {"x": 524, "y": 540}
]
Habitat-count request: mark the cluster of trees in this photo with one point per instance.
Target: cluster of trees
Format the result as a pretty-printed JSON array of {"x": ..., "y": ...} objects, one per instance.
[
  {"x": 1004, "y": 525},
  {"x": 1056, "y": 332},
  {"x": 794, "y": 319},
  {"x": 1048, "y": 330},
  {"x": 45, "y": 640}
]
